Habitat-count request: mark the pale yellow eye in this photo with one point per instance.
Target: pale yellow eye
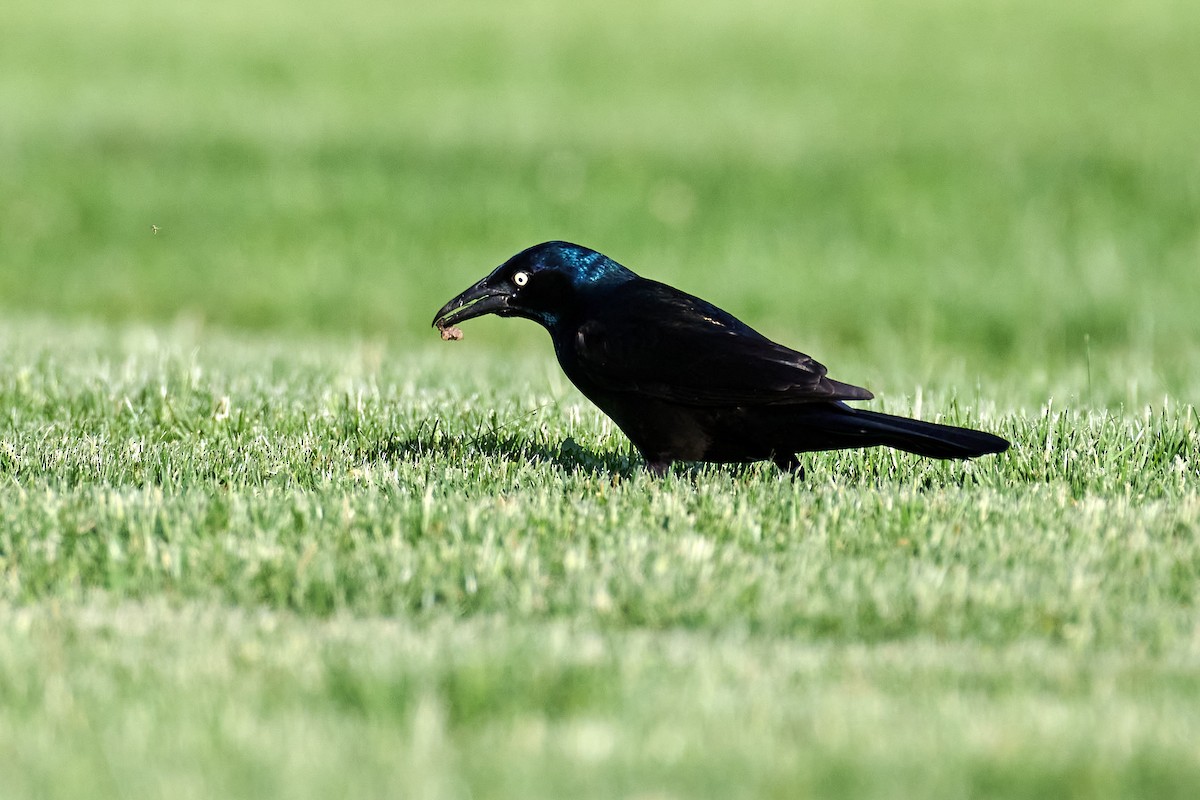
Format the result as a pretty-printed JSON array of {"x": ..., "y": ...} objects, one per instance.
[{"x": 521, "y": 278}]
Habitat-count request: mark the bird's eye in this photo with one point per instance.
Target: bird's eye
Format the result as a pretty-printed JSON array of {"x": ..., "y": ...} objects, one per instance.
[{"x": 521, "y": 278}]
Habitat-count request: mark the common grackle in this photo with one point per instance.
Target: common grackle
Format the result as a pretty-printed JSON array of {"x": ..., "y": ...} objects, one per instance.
[{"x": 683, "y": 379}]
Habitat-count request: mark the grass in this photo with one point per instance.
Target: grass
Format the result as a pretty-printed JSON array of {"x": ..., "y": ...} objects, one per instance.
[
  {"x": 261, "y": 534},
  {"x": 222, "y": 554}
]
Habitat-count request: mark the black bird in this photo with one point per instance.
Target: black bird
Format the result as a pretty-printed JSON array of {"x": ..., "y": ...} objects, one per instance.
[{"x": 683, "y": 379}]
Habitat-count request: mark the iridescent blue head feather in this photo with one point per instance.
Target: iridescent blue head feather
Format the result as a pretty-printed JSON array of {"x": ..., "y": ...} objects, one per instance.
[
  {"x": 582, "y": 264},
  {"x": 548, "y": 283}
]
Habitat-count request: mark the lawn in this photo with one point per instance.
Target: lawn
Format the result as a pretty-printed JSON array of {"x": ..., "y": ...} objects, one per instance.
[{"x": 262, "y": 534}]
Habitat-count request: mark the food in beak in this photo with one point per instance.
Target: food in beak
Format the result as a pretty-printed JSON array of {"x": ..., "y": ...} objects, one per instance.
[{"x": 449, "y": 333}]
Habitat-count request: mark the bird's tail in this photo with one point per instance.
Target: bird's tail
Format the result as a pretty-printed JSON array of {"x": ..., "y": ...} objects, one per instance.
[{"x": 852, "y": 427}]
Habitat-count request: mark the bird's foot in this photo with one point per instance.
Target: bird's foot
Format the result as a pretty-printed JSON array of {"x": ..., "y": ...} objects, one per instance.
[
  {"x": 658, "y": 468},
  {"x": 791, "y": 465}
]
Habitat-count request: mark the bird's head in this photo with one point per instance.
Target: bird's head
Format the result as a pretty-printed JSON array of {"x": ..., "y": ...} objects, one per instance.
[{"x": 543, "y": 283}]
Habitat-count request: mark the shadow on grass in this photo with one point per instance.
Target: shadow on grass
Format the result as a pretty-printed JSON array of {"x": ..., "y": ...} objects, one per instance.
[{"x": 430, "y": 442}]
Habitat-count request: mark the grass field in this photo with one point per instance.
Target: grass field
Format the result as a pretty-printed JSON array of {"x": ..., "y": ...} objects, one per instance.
[{"x": 263, "y": 535}]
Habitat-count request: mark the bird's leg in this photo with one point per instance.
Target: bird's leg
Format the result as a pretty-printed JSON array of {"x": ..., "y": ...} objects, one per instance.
[
  {"x": 657, "y": 468},
  {"x": 789, "y": 464}
]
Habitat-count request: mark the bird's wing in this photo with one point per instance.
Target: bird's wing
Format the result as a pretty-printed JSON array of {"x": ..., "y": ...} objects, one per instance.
[{"x": 654, "y": 340}]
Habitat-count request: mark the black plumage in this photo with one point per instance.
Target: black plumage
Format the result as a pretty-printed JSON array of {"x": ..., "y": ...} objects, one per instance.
[{"x": 685, "y": 380}]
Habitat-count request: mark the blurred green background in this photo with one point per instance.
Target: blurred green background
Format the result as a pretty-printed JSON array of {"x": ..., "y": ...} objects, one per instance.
[{"x": 1008, "y": 182}]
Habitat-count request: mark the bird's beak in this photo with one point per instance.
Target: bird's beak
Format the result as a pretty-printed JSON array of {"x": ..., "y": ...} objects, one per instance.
[{"x": 480, "y": 299}]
